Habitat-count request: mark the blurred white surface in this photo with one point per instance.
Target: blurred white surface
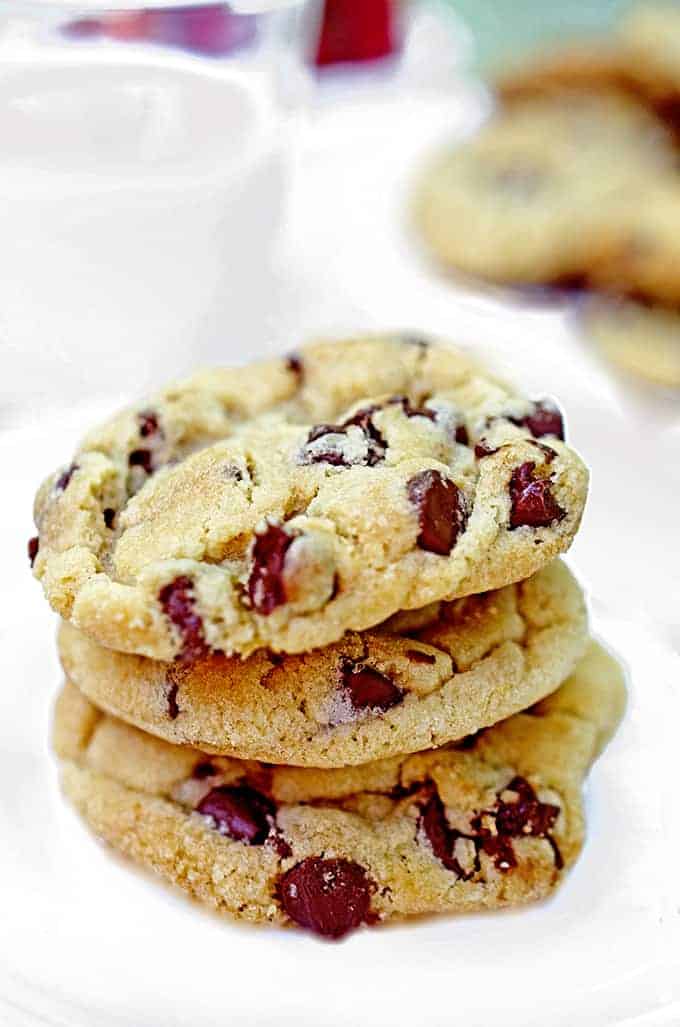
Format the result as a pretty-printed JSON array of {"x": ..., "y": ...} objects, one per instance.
[{"x": 85, "y": 942}]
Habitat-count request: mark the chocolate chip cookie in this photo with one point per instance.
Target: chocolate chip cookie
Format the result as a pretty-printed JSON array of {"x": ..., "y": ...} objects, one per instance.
[
  {"x": 282, "y": 504},
  {"x": 537, "y": 196},
  {"x": 459, "y": 667},
  {"x": 490, "y": 822},
  {"x": 640, "y": 339}
]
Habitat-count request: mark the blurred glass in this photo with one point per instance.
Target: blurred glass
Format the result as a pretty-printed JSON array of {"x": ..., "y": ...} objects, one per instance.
[{"x": 143, "y": 189}]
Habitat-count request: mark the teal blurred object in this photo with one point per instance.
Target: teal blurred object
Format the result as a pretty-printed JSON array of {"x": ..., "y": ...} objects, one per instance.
[{"x": 504, "y": 29}]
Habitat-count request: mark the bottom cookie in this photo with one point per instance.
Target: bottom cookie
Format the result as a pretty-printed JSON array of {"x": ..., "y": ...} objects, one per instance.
[
  {"x": 642, "y": 340},
  {"x": 492, "y": 821}
]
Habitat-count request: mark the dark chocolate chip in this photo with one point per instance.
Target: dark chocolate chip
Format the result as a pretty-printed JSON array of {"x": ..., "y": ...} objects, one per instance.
[
  {"x": 141, "y": 458},
  {"x": 441, "y": 836},
  {"x": 367, "y": 688},
  {"x": 148, "y": 423},
  {"x": 109, "y": 516},
  {"x": 265, "y": 588},
  {"x": 177, "y": 600},
  {"x": 33, "y": 547},
  {"x": 482, "y": 449},
  {"x": 328, "y": 896},
  {"x": 239, "y": 812},
  {"x": 532, "y": 502},
  {"x": 544, "y": 419},
  {"x": 204, "y": 769},
  {"x": 171, "y": 697},
  {"x": 64, "y": 478},
  {"x": 462, "y": 436},
  {"x": 442, "y": 511},
  {"x": 295, "y": 365}
]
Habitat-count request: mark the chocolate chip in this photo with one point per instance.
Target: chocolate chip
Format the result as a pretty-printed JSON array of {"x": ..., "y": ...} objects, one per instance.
[
  {"x": 265, "y": 587},
  {"x": 109, "y": 516},
  {"x": 33, "y": 547},
  {"x": 544, "y": 419},
  {"x": 418, "y": 656},
  {"x": 411, "y": 411},
  {"x": 328, "y": 896},
  {"x": 177, "y": 600},
  {"x": 239, "y": 812},
  {"x": 482, "y": 449},
  {"x": 148, "y": 423},
  {"x": 442, "y": 511},
  {"x": 64, "y": 478},
  {"x": 368, "y": 688},
  {"x": 141, "y": 458},
  {"x": 203, "y": 770},
  {"x": 171, "y": 697},
  {"x": 295, "y": 365},
  {"x": 462, "y": 436},
  {"x": 441, "y": 836},
  {"x": 526, "y": 816},
  {"x": 532, "y": 502}
]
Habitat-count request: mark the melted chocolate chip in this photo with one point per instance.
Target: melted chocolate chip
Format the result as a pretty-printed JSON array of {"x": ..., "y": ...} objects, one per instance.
[
  {"x": 239, "y": 812},
  {"x": 64, "y": 478},
  {"x": 141, "y": 458},
  {"x": 442, "y": 511},
  {"x": 461, "y": 435},
  {"x": 148, "y": 423},
  {"x": 418, "y": 656},
  {"x": 109, "y": 516},
  {"x": 482, "y": 449},
  {"x": 525, "y": 816},
  {"x": 367, "y": 688},
  {"x": 265, "y": 587},
  {"x": 203, "y": 770},
  {"x": 171, "y": 697},
  {"x": 327, "y": 896},
  {"x": 532, "y": 502},
  {"x": 544, "y": 419},
  {"x": 441, "y": 836},
  {"x": 33, "y": 547},
  {"x": 177, "y": 600}
]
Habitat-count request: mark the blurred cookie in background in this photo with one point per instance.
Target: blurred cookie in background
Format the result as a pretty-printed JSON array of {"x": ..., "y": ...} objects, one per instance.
[{"x": 640, "y": 339}]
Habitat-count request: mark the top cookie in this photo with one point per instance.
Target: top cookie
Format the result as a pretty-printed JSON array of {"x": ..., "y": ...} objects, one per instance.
[{"x": 281, "y": 504}]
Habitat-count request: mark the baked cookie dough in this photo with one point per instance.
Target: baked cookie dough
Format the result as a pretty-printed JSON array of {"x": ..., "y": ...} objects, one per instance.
[{"x": 492, "y": 822}]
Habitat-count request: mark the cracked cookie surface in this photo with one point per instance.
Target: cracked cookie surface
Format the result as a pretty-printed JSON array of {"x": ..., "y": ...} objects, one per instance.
[
  {"x": 457, "y": 667},
  {"x": 494, "y": 821},
  {"x": 282, "y": 504}
]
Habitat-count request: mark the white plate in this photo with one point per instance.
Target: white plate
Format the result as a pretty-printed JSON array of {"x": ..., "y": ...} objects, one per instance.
[{"x": 85, "y": 941}]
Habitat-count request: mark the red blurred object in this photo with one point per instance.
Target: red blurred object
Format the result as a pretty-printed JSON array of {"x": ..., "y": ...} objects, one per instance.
[{"x": 357, "y": 30}]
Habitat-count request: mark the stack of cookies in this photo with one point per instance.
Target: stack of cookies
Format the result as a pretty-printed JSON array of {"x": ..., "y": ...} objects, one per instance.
[
  {"x": 574, "y": 182},
  {"x": 324, "y": 666}
]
